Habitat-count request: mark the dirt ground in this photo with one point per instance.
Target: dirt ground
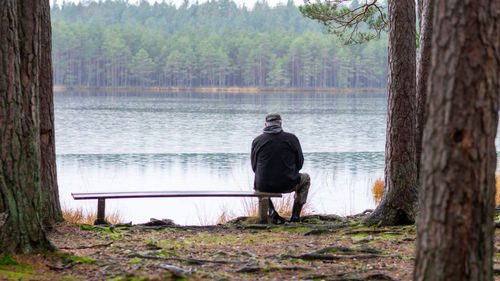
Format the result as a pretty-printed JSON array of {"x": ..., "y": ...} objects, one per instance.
[{"x": 319, "y": 248}]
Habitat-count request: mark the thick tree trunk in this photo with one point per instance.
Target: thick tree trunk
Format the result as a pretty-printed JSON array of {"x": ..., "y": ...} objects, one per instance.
[
  {"x": 423, "y": 67},
  {"x": 20, "y": 202},
  {"x": 400, "y": 192},
  {"x": 50, "y": 192},
  {"x": 420, "y": 4},
  {"x": 455, "y": 226}
]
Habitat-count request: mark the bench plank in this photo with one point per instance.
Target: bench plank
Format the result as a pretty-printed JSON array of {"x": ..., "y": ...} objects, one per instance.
[
  {"x": 102, "y": 196},
  {"x": 188, "y": 193}
]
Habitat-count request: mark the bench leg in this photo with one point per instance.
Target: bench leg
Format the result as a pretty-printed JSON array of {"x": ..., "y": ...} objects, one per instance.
[
  {"x": 263, "y": 207},
  {"x": 101, "y": 206}
]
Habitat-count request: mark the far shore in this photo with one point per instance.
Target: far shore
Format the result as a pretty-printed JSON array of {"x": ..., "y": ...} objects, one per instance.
[{"x": 254, "y": 90}]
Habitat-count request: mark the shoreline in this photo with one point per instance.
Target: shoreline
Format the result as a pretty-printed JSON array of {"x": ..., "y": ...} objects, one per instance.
[{"x": 234, "y": 90}]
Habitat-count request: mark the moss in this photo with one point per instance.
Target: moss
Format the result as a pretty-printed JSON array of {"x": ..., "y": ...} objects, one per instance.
[
  {"x": 388, "y": 236},
  {"x": 299, "y": 228},
  {"x": 115, "y": 236},
  {"x": 136, "y": 260},
  {"x": 89, "y": 227},
  {"x": 9, "y": 275},
  {"x": 355, "y": 223},
  {"x": 8, "y": 260},
  {"x": 83, "y": 260},
  {"x": 167, "y": 253},
  {"x": 17, "y": 271},
  {"x": 407, "y": 228}
]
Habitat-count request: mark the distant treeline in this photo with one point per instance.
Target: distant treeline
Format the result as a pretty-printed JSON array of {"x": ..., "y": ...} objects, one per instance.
[{"x": 114, "y": 43}]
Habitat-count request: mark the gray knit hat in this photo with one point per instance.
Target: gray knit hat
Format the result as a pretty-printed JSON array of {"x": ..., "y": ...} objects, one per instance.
[{"x": 273, "y": 117}]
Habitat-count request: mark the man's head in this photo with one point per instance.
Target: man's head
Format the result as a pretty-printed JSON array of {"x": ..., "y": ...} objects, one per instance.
[{"x": 273, "y": 119}]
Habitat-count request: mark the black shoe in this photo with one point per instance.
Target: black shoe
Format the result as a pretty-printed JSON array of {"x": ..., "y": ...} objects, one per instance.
[
  {"x": 273, "y": 214},
  {"x": 277, "y": 219},
  {"x": 297, "y": 208}
]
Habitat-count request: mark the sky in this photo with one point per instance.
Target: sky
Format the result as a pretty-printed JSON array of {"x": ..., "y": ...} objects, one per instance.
[{"x": 248, "y": 3}]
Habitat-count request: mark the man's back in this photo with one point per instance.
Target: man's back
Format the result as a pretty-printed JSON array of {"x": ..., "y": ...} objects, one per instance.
[{"x": 276, "y": 160}]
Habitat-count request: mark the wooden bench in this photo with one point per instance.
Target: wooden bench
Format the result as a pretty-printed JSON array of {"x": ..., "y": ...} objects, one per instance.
[{"x": 102, "y": 196}]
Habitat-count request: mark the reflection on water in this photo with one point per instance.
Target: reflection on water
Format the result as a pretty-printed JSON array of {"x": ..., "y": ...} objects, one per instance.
[{"x": 161, "y": 141}]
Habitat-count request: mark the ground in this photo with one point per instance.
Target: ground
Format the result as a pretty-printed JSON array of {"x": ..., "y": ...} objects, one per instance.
[{"x": 319, "y": 248}]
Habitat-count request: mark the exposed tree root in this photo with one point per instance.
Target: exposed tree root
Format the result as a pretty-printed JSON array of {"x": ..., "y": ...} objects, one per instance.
[
  {"x": 188, "y": 260},
  {"x": 316, "y": 256},
  {"x": 354, "y": 277},
  {"x": 62, "y": 267},
  {"x": 363, "y": 249},
  {"x": 252, "y": 269},
  {"x": 87, "y": 247}
]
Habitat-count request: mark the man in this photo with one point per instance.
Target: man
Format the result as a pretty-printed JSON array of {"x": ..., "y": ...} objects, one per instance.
[{"x": 276, "y": 160}]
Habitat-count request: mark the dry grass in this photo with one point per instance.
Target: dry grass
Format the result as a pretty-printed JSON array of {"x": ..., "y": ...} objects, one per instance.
[
  {"x": 251, "y": 208},
  {"x": 378, "y": 190},
  {"x": 224, "y": 217},
  {"x": 81, "y": 215}
]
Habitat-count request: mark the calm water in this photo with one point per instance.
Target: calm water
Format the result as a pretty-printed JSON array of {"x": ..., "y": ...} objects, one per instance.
[{"x": 189, "y": 141}]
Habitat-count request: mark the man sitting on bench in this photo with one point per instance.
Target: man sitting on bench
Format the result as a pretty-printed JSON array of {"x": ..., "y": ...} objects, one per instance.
[{"x": 276, "y": 160}]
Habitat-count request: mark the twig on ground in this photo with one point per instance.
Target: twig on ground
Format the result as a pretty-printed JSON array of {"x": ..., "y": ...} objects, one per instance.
[
  {"x": 62, "y": 267},
  {"x": 363, "y": 249},
  {"x": 188, "y": 260},
  {"x": 316, "y": 256},
  {"x": 87, "y": 247},
  {"x": 349, "y": 276},
  {"x": 325, "y": 218},
  {"x": 178, "y": 271},
  {"x": 371, "y": 231},
  {"x": 251, "y": 269}
]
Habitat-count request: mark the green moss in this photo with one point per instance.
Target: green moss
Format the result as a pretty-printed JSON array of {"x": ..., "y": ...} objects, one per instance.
[
  {"x": 135, "y": 260},
  {"x": 167, "y": 253},
  {"x": 83, "y": 259},
  {"x": 8, "y": 260},
  {"x": 68, "y": 277},
  {"x": 9, "y": 275},
  {"x": 89, "y": 227},
  {"x": 389, "y": 236},
  {"x": 407, "y": 227},
  {"x": 17, "y": 271},
  {"x": 116, "y": 236},
  {"x": 355, "y": 223},
  {"x": 302, "y": 228}
]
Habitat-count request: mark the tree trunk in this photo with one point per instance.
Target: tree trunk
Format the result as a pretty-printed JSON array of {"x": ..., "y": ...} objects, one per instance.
[
  {"x": 400, "y": 192},
  {"x": 423, "y": 68},
  {"x": 455, "y": 226},
  {"x": 48, "y": 183},
  {"x": 20, "y": 202}
]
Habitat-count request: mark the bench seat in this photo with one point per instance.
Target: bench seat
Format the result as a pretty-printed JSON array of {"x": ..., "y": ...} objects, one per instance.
[{"x": 102, "y": 196}]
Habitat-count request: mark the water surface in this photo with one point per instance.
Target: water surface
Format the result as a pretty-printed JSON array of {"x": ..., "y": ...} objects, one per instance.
[{"x": 197, "y": 141}]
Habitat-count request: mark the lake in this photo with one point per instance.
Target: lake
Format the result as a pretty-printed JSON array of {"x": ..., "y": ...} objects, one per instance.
[{"x": 201, "y": 141}]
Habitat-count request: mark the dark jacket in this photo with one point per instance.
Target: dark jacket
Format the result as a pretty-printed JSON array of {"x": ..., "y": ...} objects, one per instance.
[{"x": 276, "y": 160}]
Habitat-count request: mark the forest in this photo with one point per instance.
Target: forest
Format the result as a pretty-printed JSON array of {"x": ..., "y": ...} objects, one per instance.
[{"x": 215, "y": 43}]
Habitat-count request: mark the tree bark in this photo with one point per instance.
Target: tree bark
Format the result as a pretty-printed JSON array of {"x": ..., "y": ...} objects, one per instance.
[
  {"x": 423, "y": 68},
  {"x": 455, "y": 226},
  {"x": 20, "y": 202},
  {"x": 50, "y": 193},
  {"x": 420, "y": 4},
  {"x": 400, "y": 192}
]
